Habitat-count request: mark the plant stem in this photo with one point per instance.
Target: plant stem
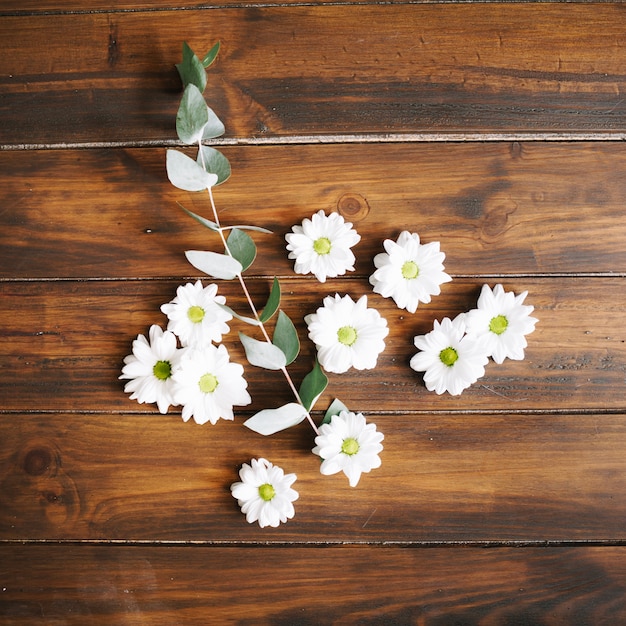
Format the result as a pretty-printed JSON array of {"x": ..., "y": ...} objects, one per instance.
[{"x": 255, "y": 313}]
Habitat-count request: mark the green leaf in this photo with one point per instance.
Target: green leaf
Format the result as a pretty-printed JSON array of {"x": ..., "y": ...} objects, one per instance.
[
  {"x": 241, "y": 247},
  {"x": 243, "y": 318},
  {"x": 193, "y": 116},
  {"x": 191, "y": 70},
  {"x": 211, "y": 55},
  {"x": 214, "y": 127},
  {"x": 262, "y": 353},
  {"x": 214, "y": 264},
  {"x": 336, "y": 407},
  {"x": 205, "y": 222},
  {"x": 286, "y": 337},
  {"x": 312, "y": 386},
  {"x": 215, "y": 162},
  {"x": 258, "y": 229},
  {"x": 270, "y": 421},
  {"x": 271, "y": 306},
  {"x": 184, "y": 173}
]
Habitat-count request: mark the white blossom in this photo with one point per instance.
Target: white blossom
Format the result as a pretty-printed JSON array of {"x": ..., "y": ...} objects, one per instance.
[
  {"x": 348, "y": 444},
  {"x": 264, "y": 493},
  {"x": 151, "y": 367},
  {"x": 321, "y": 246},
  {"x": 409, "y": 272},
  {"x": 501, "y": 322},
  {"x": 347, "y": 334},
  {"x": 450, "y": 359}
]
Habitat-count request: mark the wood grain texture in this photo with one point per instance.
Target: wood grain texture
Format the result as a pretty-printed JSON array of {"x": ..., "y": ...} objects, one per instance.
[
  {"x": 496, "y": 208},
  {"x": 444, "y": 479},
  {"x": 67, "y": 345},
  {"x": 490, "y": 127},
  {"x": 303, "y": 70},
  {"x": 163, "y": 585}
]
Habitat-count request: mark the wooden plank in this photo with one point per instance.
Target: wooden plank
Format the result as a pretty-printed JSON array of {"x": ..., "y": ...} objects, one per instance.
[
  {"x": 425, "y": 70},
  {"x": 64, "y": 347},
  {"x": 500, "y": 208},
  {"x": 467, "y": 478},
  {"x": 197, "y": 585}
]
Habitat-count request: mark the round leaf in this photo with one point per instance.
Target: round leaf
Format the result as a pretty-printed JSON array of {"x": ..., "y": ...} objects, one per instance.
[
  {"x": 214, "y": 264},
  {"x": 184, "y": 173},
  {"x": 270, "y": 421},
  {"x": 262, "y": 353},
  {"x": 286, "y": 337}
]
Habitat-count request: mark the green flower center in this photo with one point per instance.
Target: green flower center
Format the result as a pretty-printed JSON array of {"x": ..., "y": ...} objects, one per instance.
[
  {"x": 448, "y": 356},
  {"x": 350, "y": 446},
  {"x": 266, "y": 492},
  {"x": 195, "y": 313},
  {"x": 498, "y": 324},
  {"x": 346, "y": 335},
  {"x": 410, "y": 270},
  {"x": 207, "y": 383},
  {"x": 162, "y": 370},
  {"x": 322, "y": 245}
]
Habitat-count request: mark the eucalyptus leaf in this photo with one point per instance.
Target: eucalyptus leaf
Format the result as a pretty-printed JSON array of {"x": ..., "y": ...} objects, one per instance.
[
  {"x": 192, "y": 118},
  {"x": 191, "y": 70},
  {"x": 214, "y": 126},
  {"x": 272, "y": 303},
  {"x": 312, "y": 386},
  {"x": 243, "y": 318},
  {"x": 205, "y": 222},
  {"x": 215, "y": 162},
  {"x": 211, "y": 55},
  {"x": 262, "y": 353},
  {"x": 336, "y": 407},
  {"x": 258, "y": 229},
  {"x": 270, "y": 421},
  {"x": 184, "y": 173},
  {"x": 286, "y": 337},
  {"x": 241, "y": 247},
  {"x": 214, "y": 264}
]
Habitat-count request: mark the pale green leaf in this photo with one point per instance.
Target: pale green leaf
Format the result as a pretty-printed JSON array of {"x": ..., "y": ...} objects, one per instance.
[
  {"x": 214, "y": 126},
  {"x": 270, "y": 421},
  {"x": 193, "y": 116},
  {"x": 286, "y": 337},
  {"x": 262, "y": 353},
  {"x": 258, "y": 229},
  {"x": 241, "y": 247},
  {"x": 215, "y": 162},
  {"x": 272, "y": 303},
  {"x": 214, "y": 264},
  {"x": 205, "y": 222},
  {"x": 191, "y": 70},
  {"x": 184, "y": 173},
  {"x": 312, "y": 386},
  {"x": 336, "y": 407},
  {"x": 243, "y": 318},
  {"x": 211, "y": 55}
]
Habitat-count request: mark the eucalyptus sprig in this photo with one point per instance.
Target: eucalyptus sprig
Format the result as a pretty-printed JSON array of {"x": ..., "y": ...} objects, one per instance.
[{"x": 196, "y": 123}]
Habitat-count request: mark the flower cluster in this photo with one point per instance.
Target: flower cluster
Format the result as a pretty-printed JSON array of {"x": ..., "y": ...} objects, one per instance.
[
  {"x": 187, "y": 365},
  {"x": 453, "y": 355},
  {"x": 198, "y": 375}
]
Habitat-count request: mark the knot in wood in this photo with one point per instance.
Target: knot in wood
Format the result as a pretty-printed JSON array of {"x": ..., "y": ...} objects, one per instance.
[
  {"x": 39, "y": 461},
  {"x": 353, "y": 207}
]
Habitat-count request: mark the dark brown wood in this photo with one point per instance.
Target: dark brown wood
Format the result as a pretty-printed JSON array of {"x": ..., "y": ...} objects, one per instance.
[
  {"x": 336, "y": 585},
  {"x": 425, "y": 70},
  {"x": 444, "y": 479},
  {"x": 490, "y": 127},
  {"x": 496, "y": 208}
]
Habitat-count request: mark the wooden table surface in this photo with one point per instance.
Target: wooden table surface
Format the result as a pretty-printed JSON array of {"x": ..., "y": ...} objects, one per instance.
[{"x": 494, "y": 128}]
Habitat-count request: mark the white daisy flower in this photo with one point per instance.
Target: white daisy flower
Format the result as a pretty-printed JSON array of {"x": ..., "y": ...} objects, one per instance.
[
  {"x": 195, "y": 315},
  {"x": 409, "y": 272},
  {"x": 348, "y": 444},
  {"x": 451, "y": 360},
  {"x": 500, "y": 323},
  {"x": 347, "y": 334},
  {"x": 208, "y": 385},
  {"x": 321, "y": 246},
  {"x": 151, "y": 367},
  {"x": 264, "y": 493}
]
